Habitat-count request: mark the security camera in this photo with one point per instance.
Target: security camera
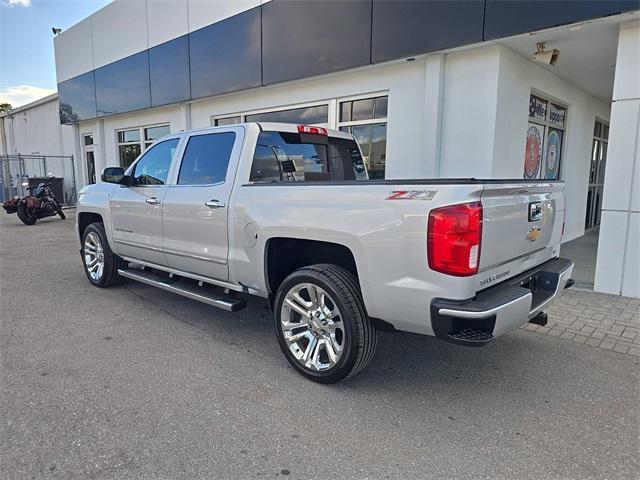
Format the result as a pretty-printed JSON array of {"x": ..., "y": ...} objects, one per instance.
[
  {"x": 548, "y": 57},
  {"x": 56, "y": 30}
]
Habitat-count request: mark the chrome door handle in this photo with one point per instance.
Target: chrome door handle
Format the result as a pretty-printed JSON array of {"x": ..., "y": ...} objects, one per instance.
[
  {"x": 152, "y": 201},
  {"x": 214, "y": 204}
]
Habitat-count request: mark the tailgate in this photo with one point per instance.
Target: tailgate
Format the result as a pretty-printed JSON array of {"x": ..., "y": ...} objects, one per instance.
[{"x": 521, "y": 227}]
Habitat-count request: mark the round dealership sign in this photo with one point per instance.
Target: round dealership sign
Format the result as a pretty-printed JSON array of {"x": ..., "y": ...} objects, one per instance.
[
  {"x": 533, "y": 152},
  {"x": 553, "y": 156}
]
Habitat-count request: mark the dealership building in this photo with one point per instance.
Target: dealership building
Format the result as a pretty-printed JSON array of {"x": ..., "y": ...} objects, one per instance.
[{"x": 499, "y": 89}]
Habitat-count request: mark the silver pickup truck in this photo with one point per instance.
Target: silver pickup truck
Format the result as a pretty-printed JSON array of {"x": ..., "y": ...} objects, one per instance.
[{"x": 287, "y": 212}]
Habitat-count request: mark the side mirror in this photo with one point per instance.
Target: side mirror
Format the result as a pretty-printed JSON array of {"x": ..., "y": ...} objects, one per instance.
[{"x": 113, "y": 175}]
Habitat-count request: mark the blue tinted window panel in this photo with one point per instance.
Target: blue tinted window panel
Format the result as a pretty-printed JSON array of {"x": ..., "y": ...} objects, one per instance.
[
  {"x": 403, "y": 28},
  {"x": 123, "y": 86},
  {"x": 506, "y": 17},
  {"x": 305, "y": 38},
  {"x": 225, "y": 56},
  {"x": 77, "y": 98},
  {"x": 169, "y": 72}
]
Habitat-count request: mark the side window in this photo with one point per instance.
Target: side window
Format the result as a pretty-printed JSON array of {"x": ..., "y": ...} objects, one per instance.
[
  {"x": 289, "y": 159},
  {"x": 265, "y": 167},
  {"x": 153, "y": 166},
  {"x": 206, "y": 159}
]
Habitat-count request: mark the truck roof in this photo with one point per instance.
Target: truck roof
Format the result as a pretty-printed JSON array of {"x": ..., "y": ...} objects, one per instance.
[
  {"x": 270, "y": 126},
  {"x": 293, "y": 128}
]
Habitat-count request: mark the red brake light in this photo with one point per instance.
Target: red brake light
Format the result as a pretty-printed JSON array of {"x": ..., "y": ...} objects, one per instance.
[
  {"x": 453, "y": 239},
  {"x": 312, "y": 130}
]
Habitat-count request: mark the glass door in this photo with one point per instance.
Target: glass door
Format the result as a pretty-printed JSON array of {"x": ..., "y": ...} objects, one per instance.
[
  {"x": 89, "y": 157},
  {"x": 596, "y": 173}
]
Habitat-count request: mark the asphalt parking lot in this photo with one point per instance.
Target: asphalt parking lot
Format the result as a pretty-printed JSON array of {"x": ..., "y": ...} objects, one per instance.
[{"x": 133, "y": 382}]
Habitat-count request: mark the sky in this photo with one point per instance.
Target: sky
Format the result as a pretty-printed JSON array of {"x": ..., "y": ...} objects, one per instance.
[{"x": 27, "y": 65}]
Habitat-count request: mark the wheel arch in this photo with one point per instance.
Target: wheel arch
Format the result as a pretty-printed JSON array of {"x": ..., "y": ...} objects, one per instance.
[
  {"x": 87, "y": 218},
  {"x": 284, "y": 255}
]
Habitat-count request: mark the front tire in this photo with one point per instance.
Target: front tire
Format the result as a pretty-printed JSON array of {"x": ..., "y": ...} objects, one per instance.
[
  {"x": 322, "y": 325},
  {"x": 25, "y": 216},
  {"x": 100, "y": 263}
]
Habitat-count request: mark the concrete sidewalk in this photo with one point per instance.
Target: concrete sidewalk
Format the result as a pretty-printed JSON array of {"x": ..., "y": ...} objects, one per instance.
[{"x": 605, "y": 321}]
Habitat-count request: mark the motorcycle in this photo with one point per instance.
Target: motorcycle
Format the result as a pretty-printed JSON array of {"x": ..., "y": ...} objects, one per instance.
[{"x": 40, "y": 203}]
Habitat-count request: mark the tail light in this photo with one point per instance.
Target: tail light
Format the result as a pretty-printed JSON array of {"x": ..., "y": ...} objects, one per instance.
[
  {"x": 312, "y": 130},
  {"x": 453, "y": 239}
]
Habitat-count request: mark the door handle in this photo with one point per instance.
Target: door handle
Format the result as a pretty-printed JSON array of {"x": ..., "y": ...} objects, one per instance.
[
  {"x": 152, "y": 201},
  {"x": 214, "y": 204}
]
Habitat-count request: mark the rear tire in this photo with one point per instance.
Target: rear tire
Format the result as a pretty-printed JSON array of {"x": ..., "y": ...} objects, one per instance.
[
  {"x": 100, "y": 263},
  {"x": 24, "y": 216},
  {"x": 327, "y": 336}
]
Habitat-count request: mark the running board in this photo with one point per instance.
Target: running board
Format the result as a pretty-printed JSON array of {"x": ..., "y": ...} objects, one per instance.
[{"x": 185, "y": 288}]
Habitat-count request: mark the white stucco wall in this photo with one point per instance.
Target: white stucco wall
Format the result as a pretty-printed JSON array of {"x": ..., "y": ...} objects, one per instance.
[
  {"x": 518, "y": 77},
  {"x": 469, "y": 113},
  {"x": 485, "y": 117}
]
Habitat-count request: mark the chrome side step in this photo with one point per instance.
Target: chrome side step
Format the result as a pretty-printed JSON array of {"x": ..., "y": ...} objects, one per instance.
[{"x": 185, "y": 288}]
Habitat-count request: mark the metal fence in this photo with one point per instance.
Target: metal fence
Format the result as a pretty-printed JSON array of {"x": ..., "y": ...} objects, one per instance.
[{"x": 18, "y": 169}]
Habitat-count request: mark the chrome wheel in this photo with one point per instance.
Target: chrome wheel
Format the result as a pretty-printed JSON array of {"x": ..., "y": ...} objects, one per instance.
[
  {"x": 312, "y": 327},
  {"x": 93, "y": 256}
]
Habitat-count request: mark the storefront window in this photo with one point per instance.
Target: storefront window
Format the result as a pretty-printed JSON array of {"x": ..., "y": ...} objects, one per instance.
[
  {"x": 219, "y": 122},
  {"x": 311, "y": 115},
  {"x": 151, "y": 134},
  {"x": 131, "y": 145},
  {"x": 599, "y": 149},
  {"x": 544, "y": 139},
  {"x": 366, "y": 119},
  {"x": 314, "y": 115}
]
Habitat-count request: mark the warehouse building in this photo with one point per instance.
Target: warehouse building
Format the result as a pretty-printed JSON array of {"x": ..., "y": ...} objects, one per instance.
[
  {"x": 474, "y": 88},
  {"x": 33, "y": 143}
]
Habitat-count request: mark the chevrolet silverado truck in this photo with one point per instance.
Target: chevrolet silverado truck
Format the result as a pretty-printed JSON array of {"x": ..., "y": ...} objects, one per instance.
[{"x": 288, "y": 213}]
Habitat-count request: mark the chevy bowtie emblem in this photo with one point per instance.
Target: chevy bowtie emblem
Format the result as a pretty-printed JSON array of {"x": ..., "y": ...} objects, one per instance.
[{"x": 533, "y": 234}]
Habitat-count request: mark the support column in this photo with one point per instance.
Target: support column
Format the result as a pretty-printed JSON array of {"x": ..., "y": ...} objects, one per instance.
[
  {"x": 99, "y": 150},
  {"x": 434, "y": 98},
  {"x": 618, "y": 262},
  {"x": 78, "y": 158},
  {"x": 185, "y": 117}
]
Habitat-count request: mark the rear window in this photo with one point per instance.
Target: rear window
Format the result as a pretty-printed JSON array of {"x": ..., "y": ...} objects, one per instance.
[{"x": 294, "y": 157}]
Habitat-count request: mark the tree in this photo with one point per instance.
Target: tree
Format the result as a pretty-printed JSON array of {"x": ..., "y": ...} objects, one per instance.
[{"x": 5, "y": 107}]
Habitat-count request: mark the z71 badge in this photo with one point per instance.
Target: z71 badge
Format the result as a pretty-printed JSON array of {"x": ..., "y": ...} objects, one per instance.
[{"x": 412, "y": 195}]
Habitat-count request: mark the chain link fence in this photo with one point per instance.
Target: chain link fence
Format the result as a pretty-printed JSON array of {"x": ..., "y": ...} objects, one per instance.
[{"x": 32, "y": 169}]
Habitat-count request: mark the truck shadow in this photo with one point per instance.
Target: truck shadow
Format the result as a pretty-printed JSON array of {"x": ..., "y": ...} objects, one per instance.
[{"x": 402, "y": 362}]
